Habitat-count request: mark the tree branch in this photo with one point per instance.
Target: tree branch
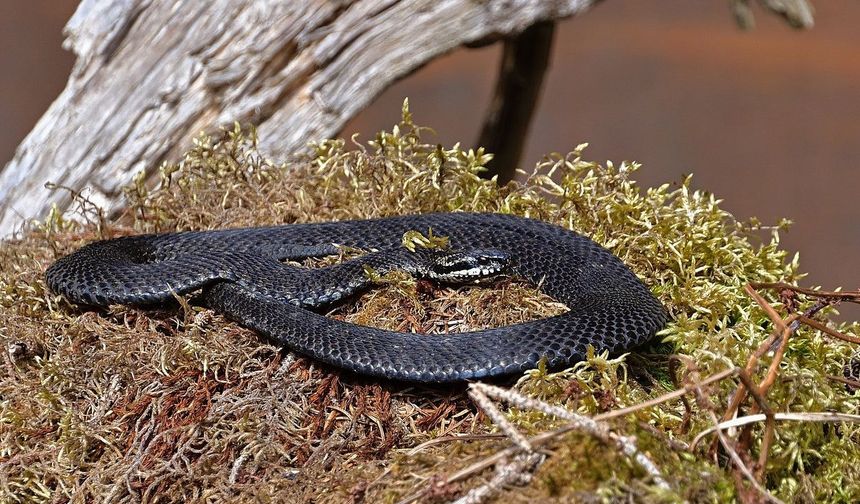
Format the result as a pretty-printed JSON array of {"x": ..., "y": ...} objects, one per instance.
[
  {"x": 524, "y": 63},
  {"x": 151, "y": 74}
]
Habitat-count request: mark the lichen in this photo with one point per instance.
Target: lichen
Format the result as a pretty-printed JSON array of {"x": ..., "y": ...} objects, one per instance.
[{"x": 128, "y": 404}]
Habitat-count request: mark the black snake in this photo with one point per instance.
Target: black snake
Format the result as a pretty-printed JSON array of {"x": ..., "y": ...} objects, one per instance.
[{"x": 240, "y": 274}]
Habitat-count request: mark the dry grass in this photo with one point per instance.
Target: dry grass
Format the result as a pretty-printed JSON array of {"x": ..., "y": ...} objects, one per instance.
[{"x": 130, "y": 405}]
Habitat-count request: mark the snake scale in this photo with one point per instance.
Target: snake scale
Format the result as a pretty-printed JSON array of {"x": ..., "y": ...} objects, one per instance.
[{"x": 240, "y": 273}]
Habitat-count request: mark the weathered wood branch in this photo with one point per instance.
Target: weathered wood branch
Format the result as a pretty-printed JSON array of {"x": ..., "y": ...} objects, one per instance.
[{"x": 150, "y": 74}]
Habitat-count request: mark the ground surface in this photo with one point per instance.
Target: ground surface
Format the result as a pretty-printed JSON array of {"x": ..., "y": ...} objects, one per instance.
[{"x": 130, "y": 405}]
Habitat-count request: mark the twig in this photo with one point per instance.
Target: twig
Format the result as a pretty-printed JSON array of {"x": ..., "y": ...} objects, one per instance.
[
  {"x": 727, "y": 446},
  {"x": 580, "y": 422},
  {"x": 760, "y": 400},
  {"x": 764, "y": 305},
  {"x": 516, "y": 472},
  {"x": 736, "y": 459},
  {"x": 674, "y": 444},
  {"x": 686, "y": 389},
  {"x": 784, "y": 328},
  {"x": 481, "y": 394},
  {"x": 850, "y": 296},
  {"x": 755, "y": 391},
  {"x": 545, "y": 437},
  {"x": 447, "y": 439},
  {"x": 525, "y": 59},
  {"x": 826, "y": 330},
  {"x": 847, "y": 381},
  {"x": 519, "y": 470},
  {"x": 797, "y": 417}
]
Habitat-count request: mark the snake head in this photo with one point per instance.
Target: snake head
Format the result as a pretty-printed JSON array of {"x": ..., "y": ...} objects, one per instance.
[{"x": 462, "y": 266}]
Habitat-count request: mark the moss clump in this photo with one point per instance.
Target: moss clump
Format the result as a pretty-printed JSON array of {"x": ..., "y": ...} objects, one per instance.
[{"x": 130, "y": 404}]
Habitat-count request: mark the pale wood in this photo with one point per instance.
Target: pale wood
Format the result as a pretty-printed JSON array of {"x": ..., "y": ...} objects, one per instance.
[{"x": 151, "y": 74}]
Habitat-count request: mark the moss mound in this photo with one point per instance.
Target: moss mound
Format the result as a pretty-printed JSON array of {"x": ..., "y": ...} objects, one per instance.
[{"x": 181, "y": 404}]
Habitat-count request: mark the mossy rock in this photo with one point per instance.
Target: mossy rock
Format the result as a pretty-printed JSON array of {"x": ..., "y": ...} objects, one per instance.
[{"x": 181, "y": 404}]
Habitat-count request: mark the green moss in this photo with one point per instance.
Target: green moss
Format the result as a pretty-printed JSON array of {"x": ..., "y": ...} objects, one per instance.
[{"x": 183, "y": 404}]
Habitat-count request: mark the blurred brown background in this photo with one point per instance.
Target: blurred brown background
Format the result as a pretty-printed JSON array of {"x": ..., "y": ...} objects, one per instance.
[{"x": 768, "y": 120}]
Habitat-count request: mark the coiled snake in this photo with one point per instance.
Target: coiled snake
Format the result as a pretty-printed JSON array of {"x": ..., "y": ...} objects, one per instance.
[{"x": 240, "y": 274}]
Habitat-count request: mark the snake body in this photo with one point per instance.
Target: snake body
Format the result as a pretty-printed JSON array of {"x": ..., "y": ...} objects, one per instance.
[{"x": 240, "y": 274}]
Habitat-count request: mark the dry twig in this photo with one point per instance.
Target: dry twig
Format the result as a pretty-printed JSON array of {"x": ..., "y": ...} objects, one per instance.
[
  {"x": 784, "y": 328},
  {"x": 546, "y": 437},
  {"x": 745, "y": 473},
  {"x": 797, "y": 417},
  {"x": 517, "y": 471},
  {"x": 583, "y": 423},
  {"x": 849, "y": 296}
]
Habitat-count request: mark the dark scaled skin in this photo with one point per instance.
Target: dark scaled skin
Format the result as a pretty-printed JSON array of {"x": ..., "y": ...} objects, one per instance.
[{"x": 240, "y": 274}]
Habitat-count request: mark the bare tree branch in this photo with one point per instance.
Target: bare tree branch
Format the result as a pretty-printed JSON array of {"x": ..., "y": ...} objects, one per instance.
[
  {"x": 524, "y": 63},
  {"x": 151, "y": 74}
]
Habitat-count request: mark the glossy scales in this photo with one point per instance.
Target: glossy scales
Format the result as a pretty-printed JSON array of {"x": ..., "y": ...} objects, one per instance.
[{"x": 240, "y": 275}]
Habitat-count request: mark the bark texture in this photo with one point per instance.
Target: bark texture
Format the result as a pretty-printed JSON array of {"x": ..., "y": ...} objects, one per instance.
[{"x": 151, "y": 74}]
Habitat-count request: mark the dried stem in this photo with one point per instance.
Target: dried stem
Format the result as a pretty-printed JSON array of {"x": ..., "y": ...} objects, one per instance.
[
  {"x": 850, "y": 296},
  {"x": 783, "y": 329},
  {"x": 830, "y": 332},
  {"x": 481, "y": 394},
  {"x": 847, "y": 381},
  {"x": 507, "y": 474},
  {"x": 519, "y": 470},
  {"x": 583, "y": 423},
  {"x": 824, "y": 416},
  {"x": 546, "y": 437},
  {"x": 727, "y": 445}
]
